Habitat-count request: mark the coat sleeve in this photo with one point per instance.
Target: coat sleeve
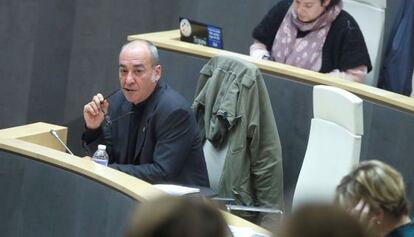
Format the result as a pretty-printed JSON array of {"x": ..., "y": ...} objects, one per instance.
[
  {"x": 90, "y": 135},
  {"x": 91, "y": 138},
  {"x": 354, "y": 52},
  {"x": 267, "y": 173}
]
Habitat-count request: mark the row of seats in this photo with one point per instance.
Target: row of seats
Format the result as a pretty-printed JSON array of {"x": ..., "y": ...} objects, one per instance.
[{"x": 334, "y": 141}]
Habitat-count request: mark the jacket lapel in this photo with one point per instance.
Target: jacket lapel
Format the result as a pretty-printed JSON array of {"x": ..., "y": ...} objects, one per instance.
[
  {"x": 143, "y": 127},
  {"x": 142, "y": 134},
  {"x": 123, "y": 126}
]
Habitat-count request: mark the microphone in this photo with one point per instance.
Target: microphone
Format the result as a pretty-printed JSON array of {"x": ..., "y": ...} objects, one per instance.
[{"x": 54, "y": 133}]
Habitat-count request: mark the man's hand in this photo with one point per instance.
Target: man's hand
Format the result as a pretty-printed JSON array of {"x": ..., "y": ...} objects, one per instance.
[{"x": 94, "y": 111}]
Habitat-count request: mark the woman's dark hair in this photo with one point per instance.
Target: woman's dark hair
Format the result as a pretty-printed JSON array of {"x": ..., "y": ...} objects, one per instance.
[{"x": 332, "y": 3}]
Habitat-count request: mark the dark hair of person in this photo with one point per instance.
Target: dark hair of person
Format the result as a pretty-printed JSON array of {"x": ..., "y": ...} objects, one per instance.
[
  {"x": 332, "y": 3},
  {"x": 321, "y": 220},
  {"x": 177, "y": 217}
]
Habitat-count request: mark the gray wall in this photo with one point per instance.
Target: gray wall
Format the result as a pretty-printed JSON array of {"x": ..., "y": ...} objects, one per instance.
[
  {"x": 55, "y": 54},
  {"x": 42, "y": 200}
]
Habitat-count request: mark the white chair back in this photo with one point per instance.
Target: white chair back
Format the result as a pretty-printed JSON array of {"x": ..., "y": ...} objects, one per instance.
[
  {"x": 370, "y": 15},
  {"x": 215, "y": 159},
  {"x": 333, "y": 147},
  {"x": 412, "y": 86}
]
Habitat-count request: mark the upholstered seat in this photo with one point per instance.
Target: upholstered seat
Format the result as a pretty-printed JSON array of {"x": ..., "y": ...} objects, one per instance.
[
  {"x": 333, "y": 147},
  {"x": 370, "y": 15}
]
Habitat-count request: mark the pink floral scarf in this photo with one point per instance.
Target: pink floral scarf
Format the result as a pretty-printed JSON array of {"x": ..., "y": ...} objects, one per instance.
[{"x": 307, "y": 52}]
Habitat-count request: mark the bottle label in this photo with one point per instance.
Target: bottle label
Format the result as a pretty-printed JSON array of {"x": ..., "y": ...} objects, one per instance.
[{"x": 100, "y": 161}]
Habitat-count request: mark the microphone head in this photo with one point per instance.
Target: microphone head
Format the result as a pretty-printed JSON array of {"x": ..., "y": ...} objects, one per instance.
[{"x": 53, "y": 132}]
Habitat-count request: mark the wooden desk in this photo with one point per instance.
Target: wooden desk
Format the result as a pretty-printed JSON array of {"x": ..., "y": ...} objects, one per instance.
[
  {"x": 32, "y": 147},
  {"x": 170, "y": 40}
]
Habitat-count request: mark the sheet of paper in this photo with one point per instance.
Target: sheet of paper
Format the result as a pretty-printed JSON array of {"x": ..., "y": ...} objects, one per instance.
[
  {"x": 176, "y": 190},
  {"x": 245, "y": 232}
]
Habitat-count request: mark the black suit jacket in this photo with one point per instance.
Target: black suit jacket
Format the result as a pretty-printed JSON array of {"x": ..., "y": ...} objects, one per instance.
[{"x": 168, "y": 147}]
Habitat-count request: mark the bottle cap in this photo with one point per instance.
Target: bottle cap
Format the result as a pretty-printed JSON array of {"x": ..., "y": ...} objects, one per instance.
[{"x": 101, "y": 147}]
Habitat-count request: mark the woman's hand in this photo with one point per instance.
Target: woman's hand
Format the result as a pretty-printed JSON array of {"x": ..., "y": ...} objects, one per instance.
[{"x": 362, "y": 211}]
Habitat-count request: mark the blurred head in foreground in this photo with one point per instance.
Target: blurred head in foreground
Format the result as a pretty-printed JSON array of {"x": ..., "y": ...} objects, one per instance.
[
  {"x": 177, "y": 217},
  {"x": 322, "y": 220}
]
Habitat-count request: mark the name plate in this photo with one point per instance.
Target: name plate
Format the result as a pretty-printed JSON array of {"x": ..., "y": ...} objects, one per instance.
[{"x": 199, "y": 33}]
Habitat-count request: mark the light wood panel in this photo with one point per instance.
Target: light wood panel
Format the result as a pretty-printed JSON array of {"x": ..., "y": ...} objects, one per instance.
[
  {"x": 169, "y": 40},
  {"x": 37, "y": 133}
]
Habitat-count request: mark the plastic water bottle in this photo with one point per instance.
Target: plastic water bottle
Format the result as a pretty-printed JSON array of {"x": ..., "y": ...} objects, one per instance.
[{"x": 100, "y": 156}]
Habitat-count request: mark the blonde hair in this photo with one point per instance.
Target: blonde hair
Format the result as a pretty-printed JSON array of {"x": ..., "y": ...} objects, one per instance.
[{"x": 378, "y": 184}]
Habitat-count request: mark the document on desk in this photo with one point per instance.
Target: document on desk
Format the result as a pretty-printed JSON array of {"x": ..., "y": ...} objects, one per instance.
[
  {"x": 245, "y": 232},
  {"x": 176, "y": 190}
]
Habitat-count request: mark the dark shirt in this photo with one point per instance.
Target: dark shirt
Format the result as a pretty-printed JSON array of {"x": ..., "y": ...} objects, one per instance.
[
  {"x": 136, "y": 117},
  {"x": 344, "y": 47},
  {"x": 406, "y": 230}
]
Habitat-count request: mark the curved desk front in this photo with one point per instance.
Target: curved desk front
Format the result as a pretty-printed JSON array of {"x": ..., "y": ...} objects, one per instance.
[
  {"x": 388, "y": 117},
  {"x": 46, "y": 192}
]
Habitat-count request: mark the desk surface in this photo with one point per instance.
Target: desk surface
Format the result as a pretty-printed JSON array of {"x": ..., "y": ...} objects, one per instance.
[
  {"x": 169, "y": 40},
  {"x": 33, "y": 141}
]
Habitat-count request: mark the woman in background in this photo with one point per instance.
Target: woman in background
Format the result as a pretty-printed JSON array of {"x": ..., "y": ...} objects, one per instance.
[
  {"x": 375, "y": 193},
  {"x": 313, "y": 34}
]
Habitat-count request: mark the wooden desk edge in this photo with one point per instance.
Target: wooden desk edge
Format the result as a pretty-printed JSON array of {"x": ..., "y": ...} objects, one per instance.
[
  {"x": 35, "y": 142},
  {"x": 133, "y": 187},
  {"x": 169, "y": 40},
  {"x": 15, "y": 140}
]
